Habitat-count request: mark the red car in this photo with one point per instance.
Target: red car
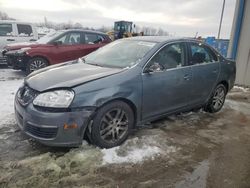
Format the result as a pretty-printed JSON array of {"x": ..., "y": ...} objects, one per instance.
[{"x": 54, "y": 48}]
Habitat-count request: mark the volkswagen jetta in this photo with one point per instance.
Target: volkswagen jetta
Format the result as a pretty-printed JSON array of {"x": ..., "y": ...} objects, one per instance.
[{"x": 106, "y": 94}]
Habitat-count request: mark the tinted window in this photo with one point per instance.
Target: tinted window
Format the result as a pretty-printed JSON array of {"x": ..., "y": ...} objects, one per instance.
[
  {"x": 70, "y": 38},
  {"x": 171, "y": 56},
  {"x": 93, "y": 38},
  {"x": 24, "y": 30},
  {"x": 202, "y": 54},
  {"x": 5, "y": 29}
]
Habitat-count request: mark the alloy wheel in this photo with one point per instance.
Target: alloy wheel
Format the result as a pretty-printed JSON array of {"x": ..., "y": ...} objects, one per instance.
[
  {"x": 218, "y": 98},
  {"x": 114, "y": 125},
  {"x": 37, "y": 64}
]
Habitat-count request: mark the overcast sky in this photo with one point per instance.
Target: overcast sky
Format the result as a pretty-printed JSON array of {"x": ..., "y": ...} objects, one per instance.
[{"x": 179, "y": 17}]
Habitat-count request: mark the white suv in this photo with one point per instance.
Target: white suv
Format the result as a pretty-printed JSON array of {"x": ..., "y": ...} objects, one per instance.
[{"x": 15, "y": 32}]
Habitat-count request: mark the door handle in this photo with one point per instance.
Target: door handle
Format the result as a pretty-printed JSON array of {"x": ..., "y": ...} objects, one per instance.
[
  {"x": 186, "y": 77},
  {"x": 10, "y": 39}
]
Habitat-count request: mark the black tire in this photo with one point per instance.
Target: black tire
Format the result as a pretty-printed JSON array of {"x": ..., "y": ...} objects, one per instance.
[
  {"x": 217, "y": 99},
  {"x": 103, "y": 131},
  {"x": 35, "y": 64}
]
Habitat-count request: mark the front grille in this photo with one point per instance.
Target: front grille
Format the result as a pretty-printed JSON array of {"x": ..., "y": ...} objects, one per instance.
[
  {"x": 3, "y": 60},
  {"x": 25, "y": 95},
  {"x": 41, "y": 132}
]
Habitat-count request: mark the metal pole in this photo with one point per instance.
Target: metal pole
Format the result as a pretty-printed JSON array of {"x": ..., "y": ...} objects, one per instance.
[{"x": 221, "y": 18}]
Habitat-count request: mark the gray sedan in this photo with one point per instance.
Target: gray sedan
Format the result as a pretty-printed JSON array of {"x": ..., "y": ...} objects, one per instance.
[{"x": 121, "y": 86}]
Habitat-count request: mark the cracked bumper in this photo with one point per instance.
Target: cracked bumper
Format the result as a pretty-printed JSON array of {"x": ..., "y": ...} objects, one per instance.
[{"x": 48, "y": 127}]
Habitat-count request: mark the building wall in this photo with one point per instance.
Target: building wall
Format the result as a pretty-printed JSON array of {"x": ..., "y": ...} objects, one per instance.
[{"x": 243, "y": 46}]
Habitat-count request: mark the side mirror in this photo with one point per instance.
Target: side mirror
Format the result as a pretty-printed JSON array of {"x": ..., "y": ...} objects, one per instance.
[
  {"x": 57, "y": 43},
  {"x": 148, "y": 70},
  {"x": 155, "y": 67}
]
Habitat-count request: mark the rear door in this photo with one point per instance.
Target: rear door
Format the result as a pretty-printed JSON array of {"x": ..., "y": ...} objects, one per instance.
[
  {"x": 92, "y": 41},
  {"x": 166, "y": 87},
  {"x": 205, "y": 67}
]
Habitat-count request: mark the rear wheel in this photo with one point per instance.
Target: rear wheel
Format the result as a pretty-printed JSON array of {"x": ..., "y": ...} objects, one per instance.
[
  {"x": 112, "y": 124},
  {"x": 217, "y": 99},
  {"x": 35, "y": 64}
]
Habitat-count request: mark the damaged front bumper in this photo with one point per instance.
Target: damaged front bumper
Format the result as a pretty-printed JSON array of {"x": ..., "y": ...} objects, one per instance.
[
  {"x": 52, "y": 128},
  {"x": 17, "y": 60}
]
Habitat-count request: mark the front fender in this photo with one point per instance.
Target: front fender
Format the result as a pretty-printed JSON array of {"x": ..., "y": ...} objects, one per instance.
[{"x": 125, "y": 85}]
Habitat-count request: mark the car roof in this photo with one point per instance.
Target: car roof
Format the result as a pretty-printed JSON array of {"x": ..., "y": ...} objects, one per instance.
[
  {"x": 84, "y": 30},
  {"x": 14, "y": 21},
  {"x": 160, "y": 39}
]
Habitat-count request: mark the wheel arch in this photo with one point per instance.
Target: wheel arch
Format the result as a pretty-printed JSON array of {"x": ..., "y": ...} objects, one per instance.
[
  {"x": 225, "y": 83},
  {"x": 90, "y": 121},
  {"x": 41, "y": 56},
  {"x": 128, "y": 102}
]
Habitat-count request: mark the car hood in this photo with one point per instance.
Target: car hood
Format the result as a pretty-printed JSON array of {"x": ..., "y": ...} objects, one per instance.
[
  {"x": 66, "y": 75},
  {"x": 17, "y": 46}
]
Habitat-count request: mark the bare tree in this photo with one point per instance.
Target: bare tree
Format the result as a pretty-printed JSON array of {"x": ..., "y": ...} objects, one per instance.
[{"x": 4, "y": 16}]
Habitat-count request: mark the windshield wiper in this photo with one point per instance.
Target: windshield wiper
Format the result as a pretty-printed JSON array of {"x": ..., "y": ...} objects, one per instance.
[
  {"x": 95, "y": 64},
  {"x": 83, "y": 60}
]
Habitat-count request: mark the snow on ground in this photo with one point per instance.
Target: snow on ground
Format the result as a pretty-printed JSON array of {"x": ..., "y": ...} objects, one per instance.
[
  {"x": 239, "y": 88},
  {"x": 136, "y": 155},
  {"x": 137, "y": 150},
  {"x": 190, "y": 149},
  {"x": 7, "y": 94}
]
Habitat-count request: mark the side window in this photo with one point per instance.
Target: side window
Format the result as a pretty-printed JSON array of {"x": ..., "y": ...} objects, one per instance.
[
  {"x": 202, "y": 54},
  {"x": 171, "y": 56},
  {"x": 70, "y": 38},
  {"x": 6, "y": 30},
  {"x": 93, "y": 38},
  {"x": 75, "y": 38},
  {"x": 100, "y": 38},
  {"x": 24, "y": 30}
]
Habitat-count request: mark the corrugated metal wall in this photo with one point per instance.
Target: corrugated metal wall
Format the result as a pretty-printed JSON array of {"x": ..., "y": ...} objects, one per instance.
[{"x": 243, "y": 49}]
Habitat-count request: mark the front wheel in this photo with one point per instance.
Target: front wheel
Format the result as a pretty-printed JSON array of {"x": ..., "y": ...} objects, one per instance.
[
  {"x": 112, "y": 124},
  {"x": 35, "y": 64},
  {"x": 217, "y": 99}
]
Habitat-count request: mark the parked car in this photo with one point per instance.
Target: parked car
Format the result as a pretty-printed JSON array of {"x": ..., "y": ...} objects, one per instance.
[
  {"x": 54, "y": 48},
  {"x": 119, "y": 87},
  {"x": 13, "y": 32}
]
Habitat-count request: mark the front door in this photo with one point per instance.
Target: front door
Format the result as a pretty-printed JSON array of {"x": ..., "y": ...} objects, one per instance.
[
  {"x": 166, "y": 81},
  {"x": 68, "y": 48}
]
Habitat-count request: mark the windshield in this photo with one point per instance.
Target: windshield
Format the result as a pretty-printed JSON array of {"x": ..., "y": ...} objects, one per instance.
[
  {"x": 120, "y": 54},
  {"x": 47, "y": 38}
]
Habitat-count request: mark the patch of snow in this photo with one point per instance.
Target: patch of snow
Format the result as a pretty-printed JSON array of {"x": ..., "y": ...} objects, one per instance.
[
  {"x": 3, "y": 136},
  {"x": 136, "y": 155},
  {"x": 7, "y": 95},
  {"x": 137, "y": 150},
  {"x": 238, "y": 106},
  {"x": 241, "y": 88}
]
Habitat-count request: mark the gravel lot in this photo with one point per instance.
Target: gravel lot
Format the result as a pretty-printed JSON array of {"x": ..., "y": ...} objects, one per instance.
[{"x": 195, "y": 149}]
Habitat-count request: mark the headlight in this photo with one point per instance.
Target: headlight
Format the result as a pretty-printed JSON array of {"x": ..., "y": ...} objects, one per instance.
[
  {"x": 22, "y": 50},
  {"x": 54, "y": 99}
]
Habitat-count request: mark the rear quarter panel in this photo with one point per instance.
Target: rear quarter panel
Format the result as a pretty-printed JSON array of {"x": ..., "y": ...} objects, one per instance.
[{"x": 228, "y": 72}]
